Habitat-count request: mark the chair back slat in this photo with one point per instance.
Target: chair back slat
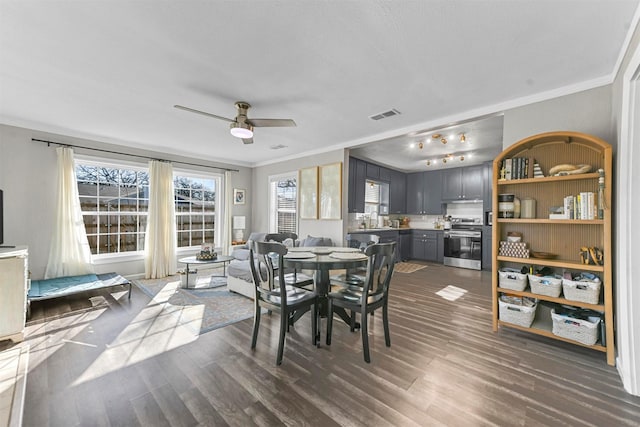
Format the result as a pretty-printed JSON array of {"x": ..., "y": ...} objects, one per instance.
[
  {"x": 361, "y": 241},
  {"x": 264, "y": 257},
  {"x": 379, "y": 269},
  {"x": 280, "y": 237}
]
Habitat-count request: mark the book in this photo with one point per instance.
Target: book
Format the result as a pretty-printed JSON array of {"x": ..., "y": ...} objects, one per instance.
[{"x": 507, "y": 167}]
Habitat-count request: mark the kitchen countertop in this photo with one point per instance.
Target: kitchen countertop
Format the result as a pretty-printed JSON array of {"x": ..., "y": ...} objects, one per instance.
[{"x": 369, "y": 230}]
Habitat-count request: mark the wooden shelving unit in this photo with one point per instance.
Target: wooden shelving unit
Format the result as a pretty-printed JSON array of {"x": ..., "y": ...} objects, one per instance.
[{"x": 559, "y": 236}]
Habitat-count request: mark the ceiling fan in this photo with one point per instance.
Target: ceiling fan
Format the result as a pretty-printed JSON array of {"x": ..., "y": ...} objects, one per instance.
[{"x": 242, "y": 127}]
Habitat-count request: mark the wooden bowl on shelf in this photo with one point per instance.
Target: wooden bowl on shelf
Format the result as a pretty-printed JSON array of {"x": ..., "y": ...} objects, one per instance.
[{"x": 543, "y": 255}]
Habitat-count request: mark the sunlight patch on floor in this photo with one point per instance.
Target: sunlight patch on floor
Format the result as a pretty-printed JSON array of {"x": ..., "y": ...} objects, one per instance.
[
  {"x": 13, "y": 375},
  {"x": 451, "y": 293},
  {"x": 158, "y": 328}
]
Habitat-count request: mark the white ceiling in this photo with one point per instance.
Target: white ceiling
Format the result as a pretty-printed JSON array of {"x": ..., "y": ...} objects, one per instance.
[{"x": 112, "y": 71}]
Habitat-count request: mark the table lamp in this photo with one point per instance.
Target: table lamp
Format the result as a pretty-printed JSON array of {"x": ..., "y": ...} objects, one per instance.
[{"x": 238, "y": 228}]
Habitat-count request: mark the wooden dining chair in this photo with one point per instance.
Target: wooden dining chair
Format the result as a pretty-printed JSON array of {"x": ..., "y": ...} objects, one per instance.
[
  {"x": 272, "y": 293},
  {"x": 292, "y": 277},
  {"x": 374, "y": 294},
  {"x": 355, "y": 276}
]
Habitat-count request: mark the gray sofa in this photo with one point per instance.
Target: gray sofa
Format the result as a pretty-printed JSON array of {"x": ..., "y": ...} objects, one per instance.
[{"x": 239, "y": 278}]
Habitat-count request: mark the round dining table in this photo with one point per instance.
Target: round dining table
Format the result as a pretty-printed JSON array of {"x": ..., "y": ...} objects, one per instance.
[{"x": 322, "y": 260}]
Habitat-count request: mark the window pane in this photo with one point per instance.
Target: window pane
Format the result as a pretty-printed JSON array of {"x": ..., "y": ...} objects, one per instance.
[
  {"x": 194, "y": 197},
  {"x": 115, "y": 194},
  {"x": 87, "y": 188}
]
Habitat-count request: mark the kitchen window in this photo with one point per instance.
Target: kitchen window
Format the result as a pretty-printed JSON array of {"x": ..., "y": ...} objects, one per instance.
[{"x": 376, "y": 198}]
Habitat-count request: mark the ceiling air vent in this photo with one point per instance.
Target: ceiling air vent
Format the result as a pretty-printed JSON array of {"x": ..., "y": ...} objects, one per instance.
[
  {"x": 278, "y": 147},
  {"x": 380, "y": 116}
]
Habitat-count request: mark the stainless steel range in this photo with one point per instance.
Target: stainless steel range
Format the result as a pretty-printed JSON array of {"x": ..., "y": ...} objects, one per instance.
[{"x": 463, "y": 243}]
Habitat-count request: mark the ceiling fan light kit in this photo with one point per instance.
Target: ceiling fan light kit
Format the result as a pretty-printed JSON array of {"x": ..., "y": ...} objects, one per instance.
[
  {"x": 241, "y": 130},
  {"x": 242, "y": 127}
]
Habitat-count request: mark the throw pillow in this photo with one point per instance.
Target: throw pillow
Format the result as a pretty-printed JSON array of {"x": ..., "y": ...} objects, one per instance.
[
  {"x": 288, "y": 243},
  {"x": 317, "y": 241}
]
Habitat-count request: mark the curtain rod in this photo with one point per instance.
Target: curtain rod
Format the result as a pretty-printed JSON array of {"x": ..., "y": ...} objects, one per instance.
[{"x": 131, "y": 155}]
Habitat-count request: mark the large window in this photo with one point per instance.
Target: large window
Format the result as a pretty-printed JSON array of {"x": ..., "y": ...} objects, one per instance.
[
  {"x": 283, "y": 213},
  {"x": 195, "y": 209},
  {"x": 115, "y": 201},
  {"x": 114, "y": 204}
]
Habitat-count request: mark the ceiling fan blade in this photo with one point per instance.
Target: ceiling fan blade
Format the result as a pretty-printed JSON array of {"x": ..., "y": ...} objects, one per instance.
[
  {"x": 264, "y": 123},
  {"x": 180, "y": 107},
  {"x": 247, "y": 140}
]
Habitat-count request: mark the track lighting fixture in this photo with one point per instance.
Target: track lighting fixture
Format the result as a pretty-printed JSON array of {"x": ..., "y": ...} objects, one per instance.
[{"x": 449, "y": 158}]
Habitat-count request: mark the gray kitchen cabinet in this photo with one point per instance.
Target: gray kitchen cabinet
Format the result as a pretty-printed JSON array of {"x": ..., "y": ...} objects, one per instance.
[
  {"x": 397, "y": 192},
  {"x": 373, "y": 171},
  {"x": 415, "y": 193},
  {"x": 405, "y": 244},
  {"x": 427, "y": 245},
  {"x": 433, "y": 197},
  {"x": 386, "y": 174},
  {"x": 357, "y": 180},
  {"x": 488, "y": 186},
  {"x": 423, "y": 193},
  {"x": 463, "y": 183},
  {"x": 440, "y": 254},
  {"x": 486, "y": 248}
]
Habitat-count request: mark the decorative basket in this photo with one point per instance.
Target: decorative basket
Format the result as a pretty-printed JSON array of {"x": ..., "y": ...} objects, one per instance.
[
  {"x": 513, "y": 249},
  {"x": 582, "y": 290},
  {"x": 517, "y": 314},
  {"x": 510, "y": 278},
  {"x": 550, "y": 286},
  {"x": 582, "y": 331}
]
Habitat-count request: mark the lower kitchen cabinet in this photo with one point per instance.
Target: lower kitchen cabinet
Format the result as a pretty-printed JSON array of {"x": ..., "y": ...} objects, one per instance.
[
  {"x": 405, "y": 243},
  {"x": 427, "y": 245},
  {"x": 486, "y": 248}
]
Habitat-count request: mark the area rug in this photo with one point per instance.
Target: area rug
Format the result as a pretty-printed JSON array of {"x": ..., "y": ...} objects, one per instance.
[
  {"x": 407, "y": 267},
  {"x": 217, "y": 307}
]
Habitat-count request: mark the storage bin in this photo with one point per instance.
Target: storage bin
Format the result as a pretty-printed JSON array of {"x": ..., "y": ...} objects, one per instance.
[
  {"x": 582, "y": 331},
  {"x": 550, "y": 286},
  {"x": 510, "y": 278},
  {"x": 517, "y": 314},
  {"x": 582, "y": 290}
]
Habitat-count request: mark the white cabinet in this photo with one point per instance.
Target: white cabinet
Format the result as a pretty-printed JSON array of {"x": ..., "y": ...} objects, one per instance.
[{"x": 14, "y": 285}]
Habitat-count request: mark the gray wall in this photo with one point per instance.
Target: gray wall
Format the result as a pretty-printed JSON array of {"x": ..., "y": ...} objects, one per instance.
[
  {"x": 27, "y": 177},
  {"x": 588, "y": 112},
  {"x": 319, "y": 228}
]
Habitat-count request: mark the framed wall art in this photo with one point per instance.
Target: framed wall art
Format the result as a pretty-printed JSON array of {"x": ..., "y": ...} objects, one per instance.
[
  {"x": 331, "y": 191},
  {"x": 239, "y": 196},
  {"x": 308, "y": 192}
]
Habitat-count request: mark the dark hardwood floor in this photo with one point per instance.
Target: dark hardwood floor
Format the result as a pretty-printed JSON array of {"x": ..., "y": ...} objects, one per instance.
[{"x": 124, "y": 363}]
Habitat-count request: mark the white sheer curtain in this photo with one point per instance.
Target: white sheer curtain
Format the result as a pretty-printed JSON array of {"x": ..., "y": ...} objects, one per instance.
[
  {"x": 69, "y": 253},
  {"x": 226, "y": 223},
  {"x": 161, "y": 241}
]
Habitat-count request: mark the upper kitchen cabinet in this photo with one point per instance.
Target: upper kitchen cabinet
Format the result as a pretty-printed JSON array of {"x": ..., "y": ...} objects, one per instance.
[
  {"x": 397, "y": 191},
  {"x": 423, "y": 193},
  {"x": 463, "y": 183},
  {"x": 373, "y": 171},
  {"x": 357, "y": 180},
  {"x": 361, "y": 171},
  {"x": 386, "y": 175}
]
